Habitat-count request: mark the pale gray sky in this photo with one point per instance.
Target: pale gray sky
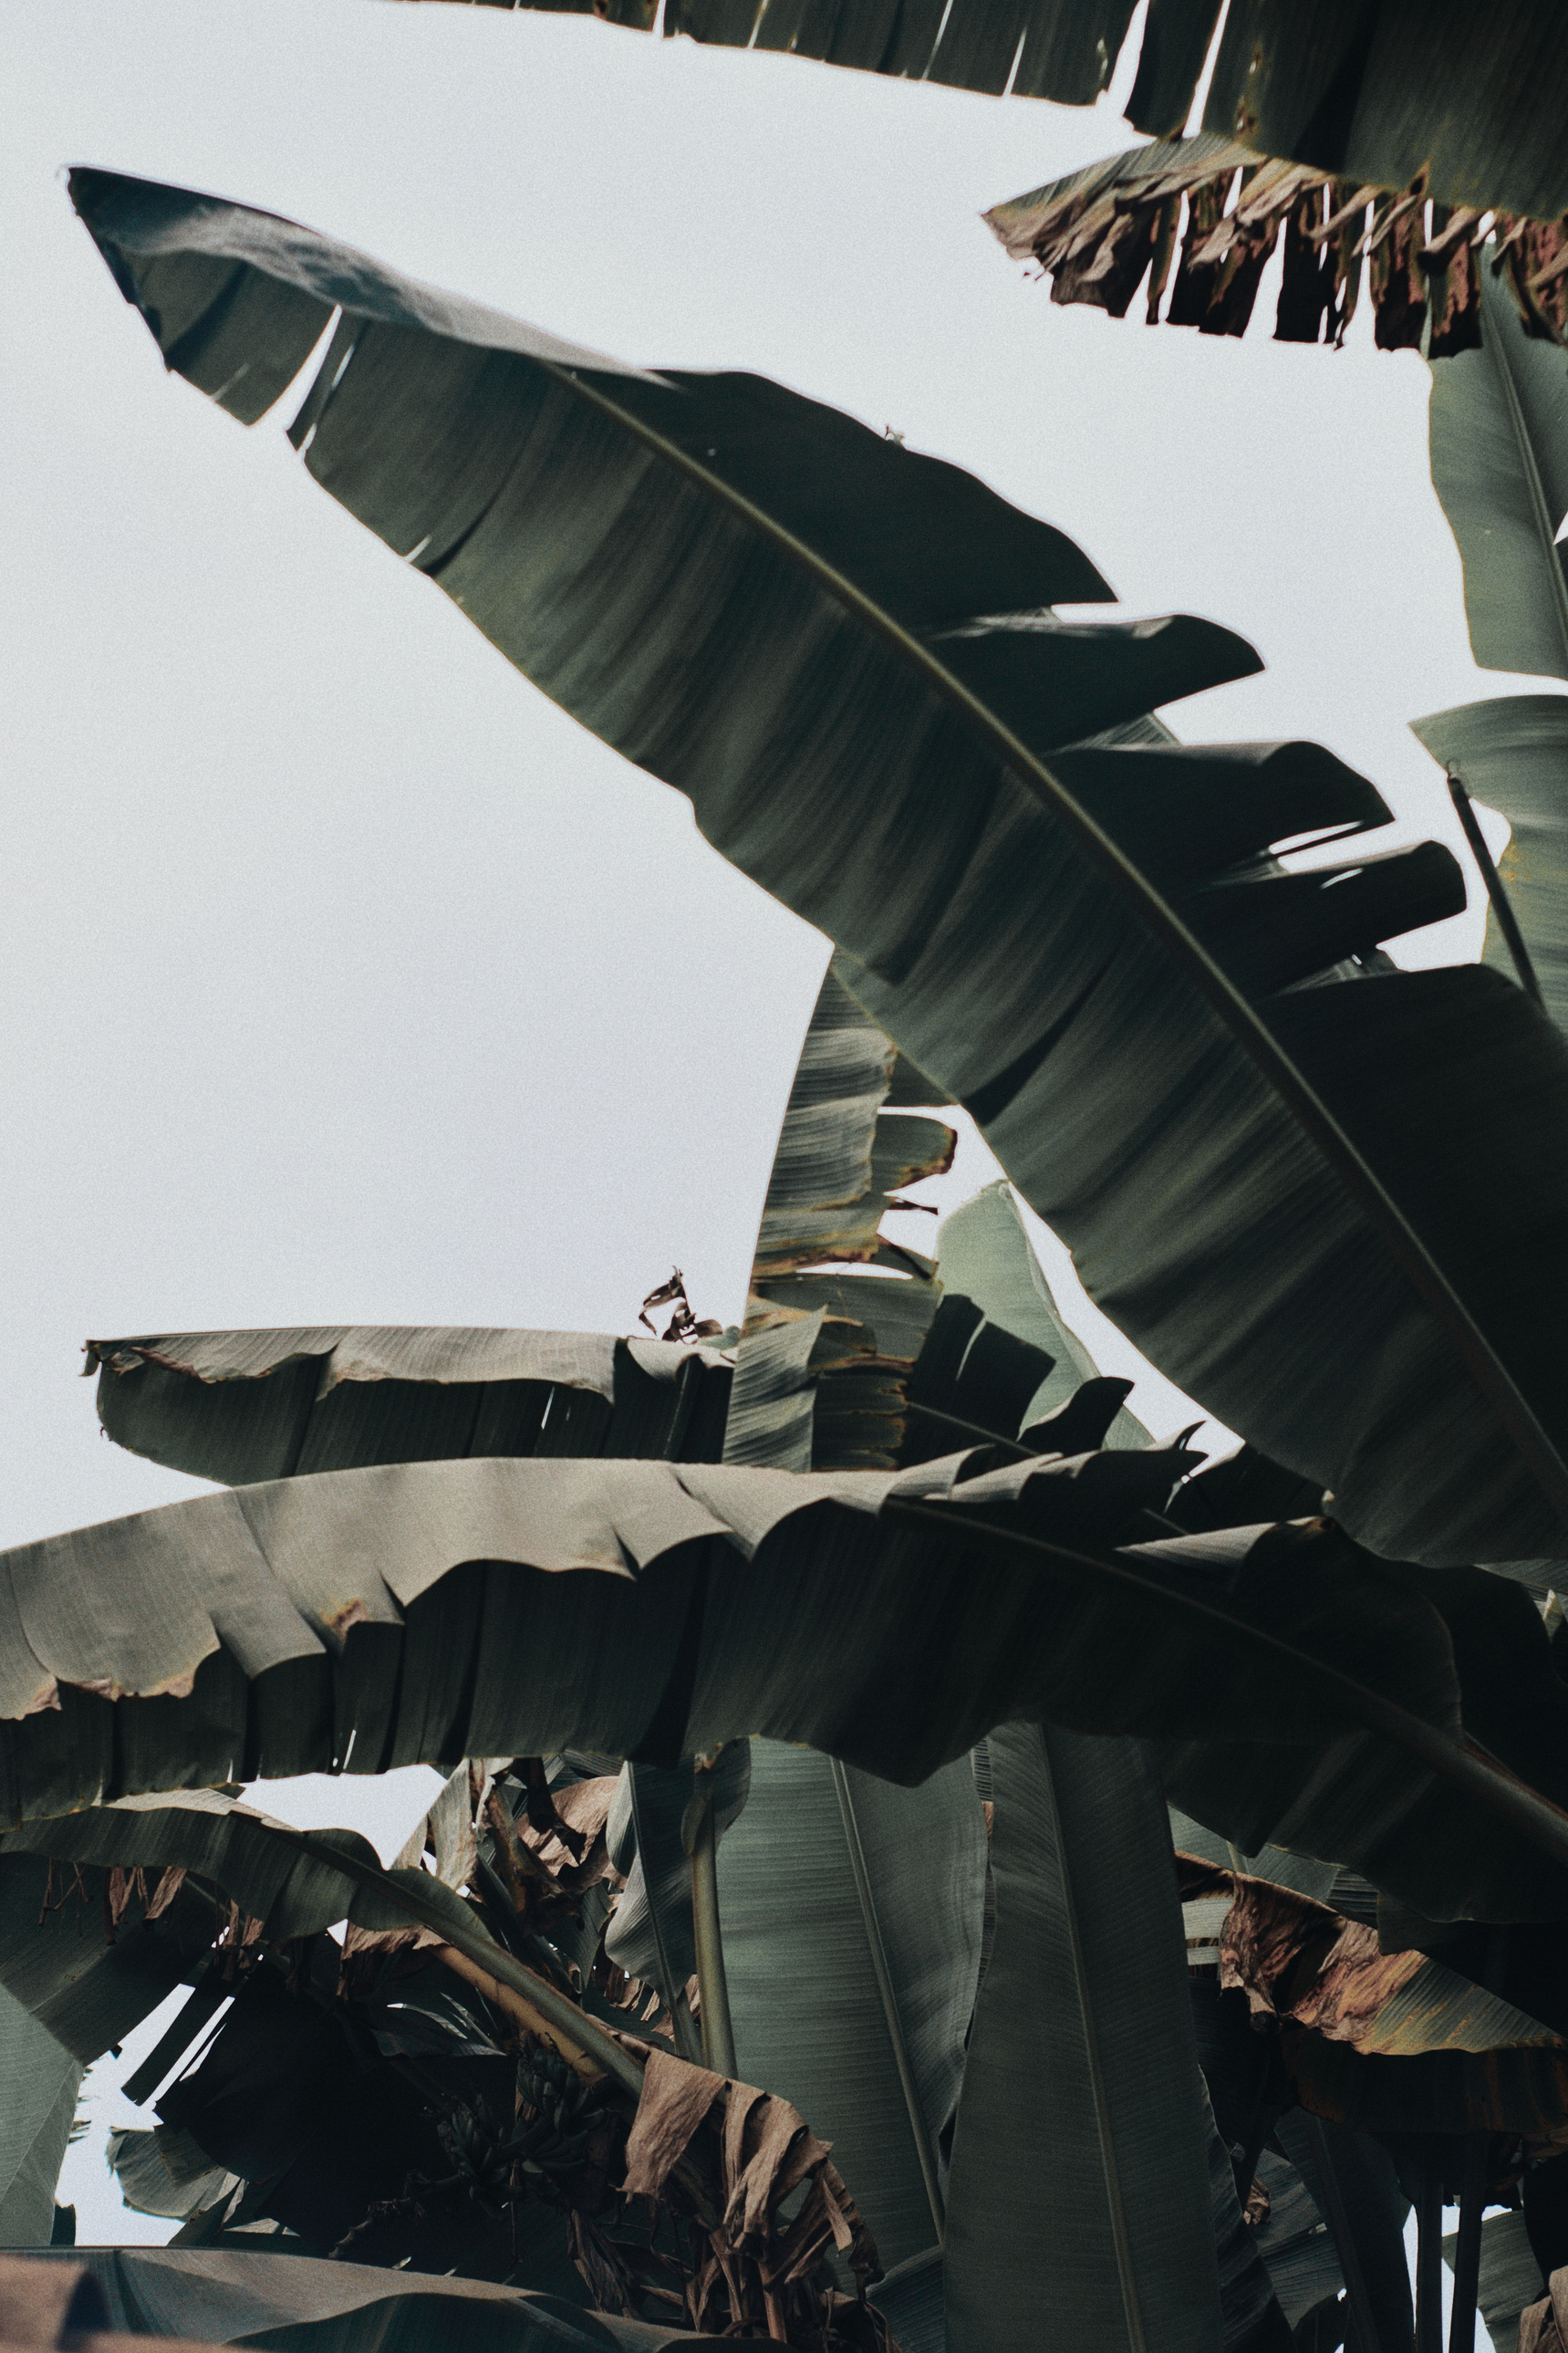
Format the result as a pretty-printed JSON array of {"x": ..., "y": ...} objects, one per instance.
[{"x": 345, "y": 978}]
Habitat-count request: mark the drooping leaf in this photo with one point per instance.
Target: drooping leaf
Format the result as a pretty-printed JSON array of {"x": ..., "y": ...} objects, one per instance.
[
  {"x": 877, "y": 741},
  {"x": 1467, "y": 95},
  {"x": 1402, "y": 2018},
  {"x": 245, "y": 1406},
  {"x": 985, "y": 1254},
  {"x": 41, "y": 2081},
  {"x": 429, "y": 1611},
  {"x": 1499, "y": 465},
  {"x": 852, "y": 1915},
  {"x": 1082, "y": 2098},
  {"x": 1512, "y": 753}
]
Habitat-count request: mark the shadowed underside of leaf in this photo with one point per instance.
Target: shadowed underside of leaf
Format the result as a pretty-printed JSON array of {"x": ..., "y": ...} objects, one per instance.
[
  {"x": 423, "y": 1612},
  {"x": 1475, "y": 94},
  {"x": 1307, "y": 1208},
  {"x": 986, "y": 1255}
]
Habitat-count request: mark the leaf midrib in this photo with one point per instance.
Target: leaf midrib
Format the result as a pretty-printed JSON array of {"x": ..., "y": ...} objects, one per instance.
[{"x": 1536, "y": 1449}]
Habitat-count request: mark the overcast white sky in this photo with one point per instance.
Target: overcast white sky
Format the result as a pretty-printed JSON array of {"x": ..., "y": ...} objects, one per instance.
[{"x": 345, "y": 978}]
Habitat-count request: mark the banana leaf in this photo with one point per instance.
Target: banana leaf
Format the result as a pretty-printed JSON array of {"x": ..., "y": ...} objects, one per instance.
[
  {"x": 1252, "y": 2317},
  {"x": 910, "y": 2300},
  {"x": 852, "y": 1915},
  {"x": 41, "y": 2081},
  {"x": 817, "y": 1385},
  {"x": 1294, "y": 2241},
  {"x": 1499, "y": 465},
  {"x": 1512, "y": 753},
  {"x": 1511, "y": 2277},
  {"x": 1374, "y": 2209},
  {"x": 1294, "y": 1957},
  {"x": 1082, "y": 2101},
  {"x": 220, "y": 2298},
  {"x": 1472, "y": 94},
  {"x": 165, "y": 2172},
  {"x": 985, "y": 1253},
  {"x": 240, "y": 1406},
  {"x": 82, "y": 1954},
  {"x": 366, "y": 1618},
  {"x": 1307, "y": 1208}
]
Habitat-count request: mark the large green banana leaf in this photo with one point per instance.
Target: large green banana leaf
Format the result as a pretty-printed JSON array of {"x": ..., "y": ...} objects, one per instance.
[
  {"x": 1472, "y": 94},
  {"x": 1082, "y": 2120},
  {"x": 1309, "y": 1208},
  {"x": 429, "y": 1611},
  {"x": 1512, "y": 753},
  {"x": 212, "y": 2297},
  {"x": 985, "y": 1254},
  {"x": 1499, "y": 465},
  {"x": 41, "y": 2081},
  {"x": 245, "y": 1406},
  {"x": 852, "y": 1915}
]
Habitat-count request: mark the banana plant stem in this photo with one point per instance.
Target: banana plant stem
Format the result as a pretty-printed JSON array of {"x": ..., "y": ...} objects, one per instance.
[{"x": 718, "y": 2031}]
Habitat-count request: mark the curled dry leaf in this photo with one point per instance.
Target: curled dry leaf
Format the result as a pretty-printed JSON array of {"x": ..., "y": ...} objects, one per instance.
[
  {"x": 738, "y": 2155},
  {"x": 1099, "y": 233},
  {"x": 1295, "y": 1958}
]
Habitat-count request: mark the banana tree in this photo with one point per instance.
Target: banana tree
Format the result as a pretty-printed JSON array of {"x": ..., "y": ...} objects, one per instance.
[
  {"x": 906, "y": 1554},
  {"x": 417, "y": 2160},
  {"x": 1071, "y": 928}
]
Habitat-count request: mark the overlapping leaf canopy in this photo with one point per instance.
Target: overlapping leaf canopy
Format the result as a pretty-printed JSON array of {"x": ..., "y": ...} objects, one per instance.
[
  {"x": 1312, "y": 1207},
  {"x": 423, "y": 1612}
]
